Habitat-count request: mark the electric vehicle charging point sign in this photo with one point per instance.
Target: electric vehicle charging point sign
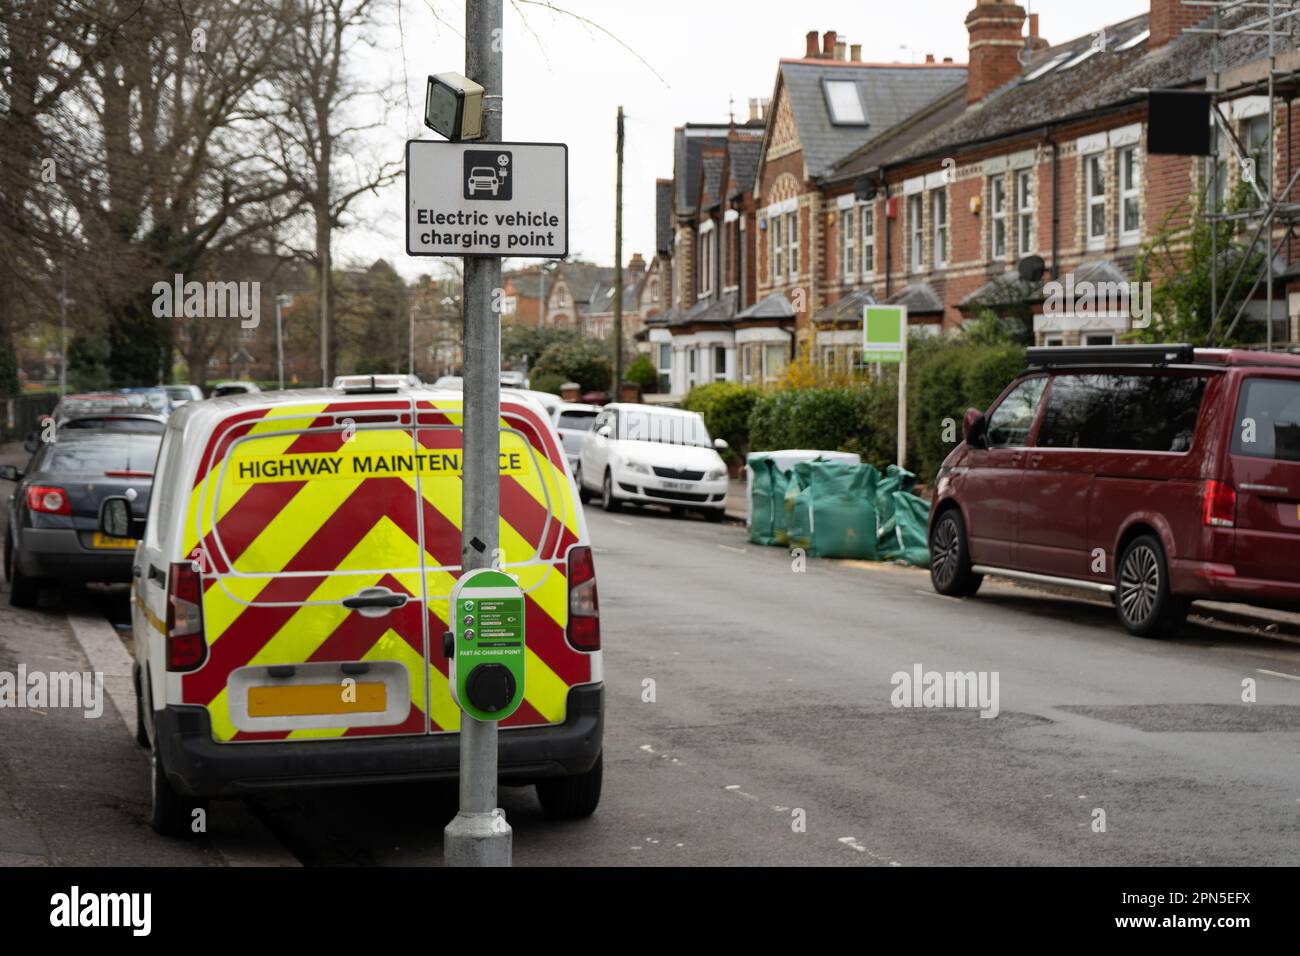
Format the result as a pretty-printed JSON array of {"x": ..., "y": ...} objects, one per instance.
[
  {"x": 486, "y": 666},
  {"x": 487, "y": 199}
]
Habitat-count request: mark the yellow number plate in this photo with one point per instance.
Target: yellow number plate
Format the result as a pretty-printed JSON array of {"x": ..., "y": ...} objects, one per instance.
[
  {"x": 105, "y": 541},
  {"x": 300, "y": 700}
]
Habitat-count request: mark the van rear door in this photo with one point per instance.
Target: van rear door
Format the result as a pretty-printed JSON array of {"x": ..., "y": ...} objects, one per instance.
[
  {"x": 305, "y": 521},
  {"x": 1264, "y": 469},
  {"x": 540, "y": 524}
]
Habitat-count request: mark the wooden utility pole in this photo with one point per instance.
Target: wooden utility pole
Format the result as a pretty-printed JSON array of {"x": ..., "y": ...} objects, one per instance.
[{"x": 618, "y": 265}]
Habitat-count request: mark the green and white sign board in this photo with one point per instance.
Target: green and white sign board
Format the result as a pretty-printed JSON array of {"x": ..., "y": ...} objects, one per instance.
[
  {"x": 884, "y": 333},
  {"x": 486, "y": 670}
]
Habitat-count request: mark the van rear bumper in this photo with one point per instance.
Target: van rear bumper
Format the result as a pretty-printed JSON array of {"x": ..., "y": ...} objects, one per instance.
[
  {"x": 198, "y": 766},
  {"x": 1219, "y": 582}
]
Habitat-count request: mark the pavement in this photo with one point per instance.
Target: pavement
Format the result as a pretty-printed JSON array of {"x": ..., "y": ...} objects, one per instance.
[{"x": 752, "y": 720}]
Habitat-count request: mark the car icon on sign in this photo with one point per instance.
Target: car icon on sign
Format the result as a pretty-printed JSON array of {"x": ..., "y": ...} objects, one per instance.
[{"x": 483, "y": 178}]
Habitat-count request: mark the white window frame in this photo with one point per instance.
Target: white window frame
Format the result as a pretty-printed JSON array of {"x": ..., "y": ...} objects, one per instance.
[
  {"x": 848, "y": 244},
  {"x": 1129, "y": 192},
  {"x": 769, "y": 375},
  {"x": 916, "y": 231},
  {"x": 774, "y": 245},
  {"x": 792, "y": 243},
  {"x": 707, "y": 252},
  {"x": 867, "y": 226},
  {"x": 1026, "y": 201},
  {"x": 939, "y": 226},
  {"x": 1094, "y": 197},
  {"x": 998, "y": 216}
]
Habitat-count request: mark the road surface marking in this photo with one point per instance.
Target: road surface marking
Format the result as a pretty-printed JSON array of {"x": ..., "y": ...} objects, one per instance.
[{"x": 727, "y": 547}]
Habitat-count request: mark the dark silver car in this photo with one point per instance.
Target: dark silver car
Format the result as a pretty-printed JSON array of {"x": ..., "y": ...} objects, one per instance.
[{"x": 53, "y": 534}]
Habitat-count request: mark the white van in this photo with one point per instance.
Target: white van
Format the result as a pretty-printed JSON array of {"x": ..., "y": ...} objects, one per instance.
[{"x": 291, "y": 592}]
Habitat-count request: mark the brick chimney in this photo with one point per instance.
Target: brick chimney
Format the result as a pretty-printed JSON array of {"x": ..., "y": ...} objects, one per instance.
[
  {"x": 995, "y": 44},
  {"x": 1168, "y": 18},
  {"x": 811, "y": 49},
  {"x": 637, "y": 264},
  {"x": 828, "y": 45}
]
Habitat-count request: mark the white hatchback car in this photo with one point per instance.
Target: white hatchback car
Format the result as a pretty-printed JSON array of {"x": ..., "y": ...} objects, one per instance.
[{"x": 652, "y": 455}]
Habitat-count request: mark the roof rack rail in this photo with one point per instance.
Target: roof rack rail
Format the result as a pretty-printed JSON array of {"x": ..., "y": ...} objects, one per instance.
[{"x": 1056, "y": 356}]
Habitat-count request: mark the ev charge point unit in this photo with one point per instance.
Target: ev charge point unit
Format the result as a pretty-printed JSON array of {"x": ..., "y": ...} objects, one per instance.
[{"x": 486, "y": 648}]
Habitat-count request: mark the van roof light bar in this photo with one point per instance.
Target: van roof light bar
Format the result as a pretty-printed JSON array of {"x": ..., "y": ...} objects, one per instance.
[{"x": 1056, "y": 356}]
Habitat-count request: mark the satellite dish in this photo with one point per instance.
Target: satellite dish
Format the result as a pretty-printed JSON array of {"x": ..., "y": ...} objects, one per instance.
[{"x": 1031, "y": 268}]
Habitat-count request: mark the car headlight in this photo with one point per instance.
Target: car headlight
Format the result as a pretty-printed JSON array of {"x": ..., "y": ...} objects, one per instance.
[
  {"x": 636, "y": 466},
  {"x": 715, "y": 474}
]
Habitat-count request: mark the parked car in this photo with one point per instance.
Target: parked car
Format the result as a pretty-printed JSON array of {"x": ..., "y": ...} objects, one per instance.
[
  {"x": 573, "y": 421},
  {"x": 229, "y": 648},
  {"x": 652, "y": 455},
  {"x": 53, "y": 531},
  {"x": 222, "y": 389},
  {"x": 105, "y": 411},
  {"x": 1157, "y": 475},
  {"x": 180, "y": 394}
]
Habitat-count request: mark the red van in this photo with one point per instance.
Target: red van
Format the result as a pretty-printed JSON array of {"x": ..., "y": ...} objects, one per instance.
[{"x": 1158, "y": 475}]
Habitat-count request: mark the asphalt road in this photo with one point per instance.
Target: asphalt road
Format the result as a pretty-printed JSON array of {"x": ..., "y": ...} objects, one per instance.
[{"x": 770, "y": 737}]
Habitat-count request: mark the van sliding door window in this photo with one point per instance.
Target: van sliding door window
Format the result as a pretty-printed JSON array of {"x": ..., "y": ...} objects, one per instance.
[{"x": 1123, "y": 412}]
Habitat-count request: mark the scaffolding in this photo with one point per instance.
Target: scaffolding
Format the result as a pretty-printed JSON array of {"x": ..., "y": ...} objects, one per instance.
[{"x": 1276, "y": 76}]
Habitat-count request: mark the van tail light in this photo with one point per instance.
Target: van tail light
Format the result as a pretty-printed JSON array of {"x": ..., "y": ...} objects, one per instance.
[
  {"x": 584, "y": 604},
  {"x": 186, "y": 649},
  {"x": 1219, "y": 505},
  {"x": 48, "y": 500}
]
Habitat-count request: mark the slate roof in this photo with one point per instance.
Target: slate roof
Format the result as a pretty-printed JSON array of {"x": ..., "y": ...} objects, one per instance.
[
  {"x": 721, "y": 309},
  {"x": 584, "y": 278},
  {"x": 848, "y": 308},
  {"x": 689, "y": 143},
  {"x": 602, "y": 296},
  {"x": 663, "y": 216},
  {"x": 743, "y": 155},
  {"x": 919, "y": 297},
  {"x": 528, "y": 282},
  {"x": 890, "y": 93},
  {"x": 1080, "y": 83},
  {"x": 1009, "y": 287},
  {"x": 773, "y": 306},
  {"x": 711, "y": 180}
]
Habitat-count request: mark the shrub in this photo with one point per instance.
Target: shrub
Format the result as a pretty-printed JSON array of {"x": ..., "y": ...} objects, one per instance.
[
  {"x": 643, "y": 373},
  {"x": 546, "y": 382},
  {"x": 726, "y": 407},
  {"x": 581, "y": 360}
]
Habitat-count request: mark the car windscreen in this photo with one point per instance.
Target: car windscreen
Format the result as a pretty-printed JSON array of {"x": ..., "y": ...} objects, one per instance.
[
  {"x": 670, "y": 429},
  {"x": 577, "y": 421},
  {"x": 142, "y": 425},
  {"x": 97, "y": 456},
  {"x": 1268, "y": 419}
]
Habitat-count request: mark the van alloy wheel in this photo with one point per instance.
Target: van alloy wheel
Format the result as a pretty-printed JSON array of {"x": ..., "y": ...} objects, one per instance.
[
  {"x": 950, "y": 566},
  {"x": 1143, "y": 601},
  {"x": 1139, "y": 583}
]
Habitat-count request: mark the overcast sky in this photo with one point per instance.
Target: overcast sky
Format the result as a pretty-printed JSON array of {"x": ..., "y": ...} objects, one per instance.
[{"x": 565, "y": 79}]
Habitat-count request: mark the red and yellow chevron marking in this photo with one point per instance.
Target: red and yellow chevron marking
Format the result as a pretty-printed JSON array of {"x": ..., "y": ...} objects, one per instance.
[{"x": 280, "y": 553}]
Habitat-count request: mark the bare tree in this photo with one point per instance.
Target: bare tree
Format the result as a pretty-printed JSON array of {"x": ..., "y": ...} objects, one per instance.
[{"x": 321, "y": 115}]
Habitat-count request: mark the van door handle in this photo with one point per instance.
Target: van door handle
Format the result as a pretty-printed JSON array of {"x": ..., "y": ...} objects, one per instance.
[
  {"x": 1266, "y": 489},
  {"x": 374, "y": 602},
  {"x": 157, "y": 576},
  {"x": 1035, "y": 461}
]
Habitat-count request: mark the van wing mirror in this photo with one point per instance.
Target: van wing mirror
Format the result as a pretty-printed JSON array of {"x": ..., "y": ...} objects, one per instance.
[
  {"x": 720, "y": 444},
  {"x": 10, "y": 473},
  {"x": 975, "y": 428},
  {"x": 605, "y": 431},
  {"x": 116, "y": 520}
]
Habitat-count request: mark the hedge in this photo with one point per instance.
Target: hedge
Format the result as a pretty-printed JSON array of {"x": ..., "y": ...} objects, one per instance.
[
  {"x": 726, "y": 407},
  {"x": 945, "y": 377}
]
